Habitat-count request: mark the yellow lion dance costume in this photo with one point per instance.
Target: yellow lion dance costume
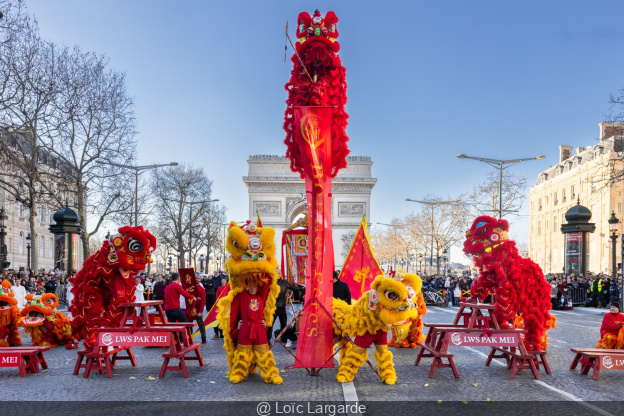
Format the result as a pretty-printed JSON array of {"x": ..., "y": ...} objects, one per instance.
[
  {"x": 46, "y": 325},
  {"x": 415, "y": 337},
  {"x": 389, "y": 304},
  {"x": 248, "y": 308}
]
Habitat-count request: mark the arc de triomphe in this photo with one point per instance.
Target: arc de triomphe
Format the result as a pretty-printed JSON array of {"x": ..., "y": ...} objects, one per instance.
[{"x": 275, "y": 192}]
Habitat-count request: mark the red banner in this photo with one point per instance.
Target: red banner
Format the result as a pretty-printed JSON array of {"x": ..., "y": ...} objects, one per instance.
[
  {"x": 466, "y": 339},
  {"x": 360, "y": 267},
  {"x": 609, "y": 362},
  {"x": 137, "y": 339},
  {"x": 187, "y": 279},
  {"x": 312, "y": 134},
  {"x": 9, "y": 359}
]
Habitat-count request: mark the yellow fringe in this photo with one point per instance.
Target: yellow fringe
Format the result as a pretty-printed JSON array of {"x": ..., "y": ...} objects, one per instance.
[
  {"x": 383, "y": 357},
  {"x": 268, "y": 370},
  {"x": 353, "y": 359}
]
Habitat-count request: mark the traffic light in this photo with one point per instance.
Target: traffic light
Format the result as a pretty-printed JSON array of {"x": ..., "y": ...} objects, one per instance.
[
  {"x": 169, "y": 262},
  {"x": 6, "y": 264}
]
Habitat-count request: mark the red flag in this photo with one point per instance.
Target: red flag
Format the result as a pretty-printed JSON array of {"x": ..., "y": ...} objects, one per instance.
[
  {"x": 360, "y": 266},
  {"x": 187, "y": 278},
  {"x": 211, "y": 319},
  {"x": 312, "y": 134}
]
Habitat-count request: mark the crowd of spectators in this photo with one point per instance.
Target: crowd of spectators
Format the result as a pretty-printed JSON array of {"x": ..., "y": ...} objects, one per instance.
[
  {"x": 452, "y": 285},
  {"x": 592, "y": 290}
]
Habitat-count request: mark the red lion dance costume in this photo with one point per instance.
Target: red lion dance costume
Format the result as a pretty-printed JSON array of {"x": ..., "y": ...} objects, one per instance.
[
  {"x": 317, "y": 47},
  {"x": 106, "y": 281},
  {"x": 46, "y": 325},
  {"x": 9, "y": 317},
  {"x": 517, "y": 282}
]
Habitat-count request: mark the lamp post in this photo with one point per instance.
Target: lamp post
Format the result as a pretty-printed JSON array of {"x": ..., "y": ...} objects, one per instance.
[
  {"x": 500, "y": 165},
  {"x": 444, "y": 258},
  {"x": 201, "y": 263},
  {"x": 137, "y": 171},
  {"x": 3, "y": 249},
  {"x": 420, "y": 258},
  {"x": 28, "y": 246},
  {"x": 613, "y": 227}
]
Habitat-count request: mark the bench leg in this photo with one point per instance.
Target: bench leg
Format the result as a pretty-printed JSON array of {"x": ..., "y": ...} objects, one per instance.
[
  {"x": 434, "y": 364},
  {"x": 575, "y": 361},
  {"x": 109, "y": 367},
  {"x": 89, "y": 363},
  {"x": 131, "y": 355},
  {"x": 163, "y": 368},
  {"x": 78, "y": 364},
  {"x": 183, "y": 366},
  {"x": 452, "y": 363},
  {"x": 533, "y": 368},
  {"x": 585, "y": 367},
  {"x": 419, "y": 356},
  {"x": 545, "y": 364},
  {"x": 22, "y": 367},
  {"x": 596, "y": 372},
  {"x": 199, "y": 357},
  {"x": 489, "y": 358},
  {"x": 42, "y": 360},
  {"x": 514, "y": 365}
]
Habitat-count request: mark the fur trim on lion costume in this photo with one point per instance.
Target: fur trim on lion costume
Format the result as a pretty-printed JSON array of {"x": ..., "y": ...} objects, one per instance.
[
  {"x": 9, "y": 317},
  {"x": 46, "y": 326},
  {"x": 390, "y": 304},
  {"x": 252, "y": 261}
]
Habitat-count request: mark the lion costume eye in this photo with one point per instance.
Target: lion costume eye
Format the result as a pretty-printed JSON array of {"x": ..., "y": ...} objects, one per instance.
[
  {"x": 134, "y": 245},
  {"x": 392, "y": 295},
  {"x": 235, "y": 244}
]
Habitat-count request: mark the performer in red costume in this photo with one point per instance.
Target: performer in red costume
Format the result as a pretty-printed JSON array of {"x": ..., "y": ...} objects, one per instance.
[
  {"x": 246, "y": 317},
  {"x": 612, "y": 329}
]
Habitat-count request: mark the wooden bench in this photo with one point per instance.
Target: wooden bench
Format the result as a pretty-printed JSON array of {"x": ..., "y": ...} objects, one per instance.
[
  {"x": 27, "y": 359},
  {"x": 181, "y": 356},
  {"x": 517, "y": 361},
  {"x": 578, "y": 352},
  {"x": 109, "y": 362},
  {"x": 437, "y": 359},
  {"x": 597, "y": 359}
]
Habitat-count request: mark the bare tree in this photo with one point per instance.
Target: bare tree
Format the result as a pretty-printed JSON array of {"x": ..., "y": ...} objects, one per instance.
[
  {"x": 209, "y": 232},
  {"x": 484, "y": 199},
  {"x": 183, "y": 195},
  {"x": 28, "y": 67},
  {"x": 92, "y": 120}
]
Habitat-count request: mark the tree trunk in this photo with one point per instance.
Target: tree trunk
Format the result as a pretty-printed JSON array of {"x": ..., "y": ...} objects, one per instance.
[{"x": 34, "y": 263}]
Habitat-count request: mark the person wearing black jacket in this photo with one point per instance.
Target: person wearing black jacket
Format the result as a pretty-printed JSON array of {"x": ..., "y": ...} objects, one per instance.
[
  {"x": 50, "y": 286},
  {"x": 341, "y": 289},
  {"x": 280, "y": 303}
]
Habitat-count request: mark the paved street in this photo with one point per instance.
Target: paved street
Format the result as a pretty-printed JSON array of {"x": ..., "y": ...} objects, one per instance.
[{"x": 477, "y": 383}]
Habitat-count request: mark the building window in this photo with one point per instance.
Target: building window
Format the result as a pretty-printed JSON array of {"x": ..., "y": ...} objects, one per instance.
[
  {"x": 41, "y": 214},
  {"x": 41, "y": 246},
  {"x": 51, "y": 214},
  {"x": 540, "y": 204},
  {"x": 51, "y": 248},
  {"x": 563, "y": 195},
  {"x": 20, "y": 246},
  {"x": 555, "y": 223},
  {"x": 619, "y": 208},
  {"x": 572, "y": 192},
  {"x": 555, "y": 201},
  {"x": 539, "y": 228},
  {"x": 20, "y": 209}
]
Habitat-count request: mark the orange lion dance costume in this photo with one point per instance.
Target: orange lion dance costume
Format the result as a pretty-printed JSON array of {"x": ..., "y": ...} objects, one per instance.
[
  {"x": 106, "y": 281},
  {"x": 415, "y": 335},
  {"x": 517, "y": 282},
  {"x": 9, "y": 317},
  {"x": 47, "y": 326}
]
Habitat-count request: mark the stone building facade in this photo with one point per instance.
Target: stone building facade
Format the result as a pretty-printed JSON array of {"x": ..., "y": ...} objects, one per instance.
[
  {"x": 584, "y": 176},
  {"x": 276, "y": 193}
]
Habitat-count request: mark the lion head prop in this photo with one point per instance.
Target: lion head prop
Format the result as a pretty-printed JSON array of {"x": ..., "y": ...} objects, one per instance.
[
  {"x": 9, "y": 317},
  {"x": 46, "y": 325}
]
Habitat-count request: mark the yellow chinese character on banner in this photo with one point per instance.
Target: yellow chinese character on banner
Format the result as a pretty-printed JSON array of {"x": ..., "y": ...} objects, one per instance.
[{"x": 361, "y": 276}]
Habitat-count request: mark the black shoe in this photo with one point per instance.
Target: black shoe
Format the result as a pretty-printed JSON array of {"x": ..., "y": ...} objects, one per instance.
[{"x": 203, "y": 340}]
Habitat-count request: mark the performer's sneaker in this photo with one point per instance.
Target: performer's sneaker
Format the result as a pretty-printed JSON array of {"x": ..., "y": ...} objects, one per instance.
[{"x": 288, "y": 344}]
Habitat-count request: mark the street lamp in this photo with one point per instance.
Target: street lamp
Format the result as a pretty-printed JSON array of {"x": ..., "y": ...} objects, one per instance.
[
  {"x": 3, "y": 248},
  {"x": 420, "y": 258},
  {"x": 137, "y": 171},
  {"x": 613, "y": 227},
  {"x": 500, "y": 165},
  {"x": 444, "y": 257},
  {"x": 201, "y": 263},
  {"x": 28, "y": 239}
]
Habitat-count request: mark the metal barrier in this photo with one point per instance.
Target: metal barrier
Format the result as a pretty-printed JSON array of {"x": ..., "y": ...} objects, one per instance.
[{"x": 578, "y": 295}]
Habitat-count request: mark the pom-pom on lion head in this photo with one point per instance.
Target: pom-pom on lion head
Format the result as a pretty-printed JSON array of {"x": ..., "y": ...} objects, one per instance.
[
  {"x": 7, "y": 297},
  {"x": 252, "y": 253},
  {"x": 393, "y": 298},
  {"x": 485, "y": 234},
  {"x": 37, "y": 309},
  {"x": 130, "y": 250}
]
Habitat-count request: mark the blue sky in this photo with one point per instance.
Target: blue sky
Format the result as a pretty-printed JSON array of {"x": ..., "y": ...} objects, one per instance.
[{"x": 427, "y": 80}]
